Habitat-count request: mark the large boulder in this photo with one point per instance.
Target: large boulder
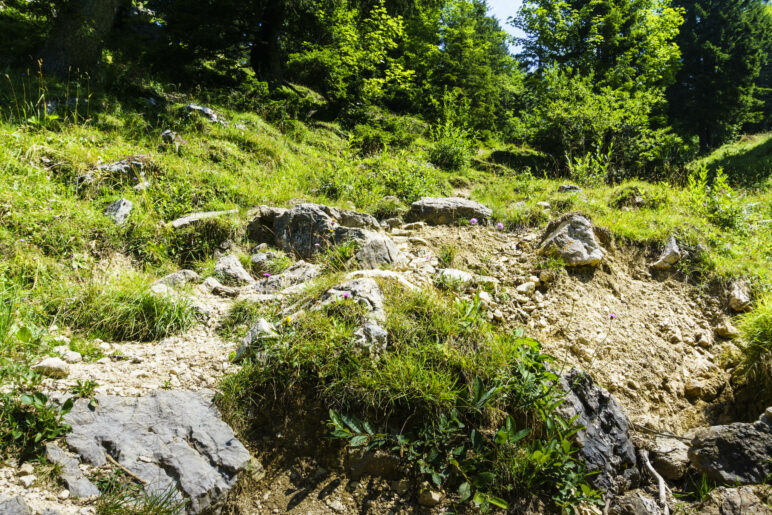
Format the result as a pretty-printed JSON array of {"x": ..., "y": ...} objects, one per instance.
[
  {"x": 308, "y": 229},
  {"x": 169, "y": 439},
  {"x": 260, "y": 227},
  {"x": 572, "y": 238},
  {"x": 604, "y": 443},
  {"x": 445, "y": 211},
  {"x": 735, "y": 453}
]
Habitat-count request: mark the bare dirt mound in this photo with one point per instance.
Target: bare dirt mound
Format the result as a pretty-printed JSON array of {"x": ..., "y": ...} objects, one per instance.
[{"x": 647, "y": 337}]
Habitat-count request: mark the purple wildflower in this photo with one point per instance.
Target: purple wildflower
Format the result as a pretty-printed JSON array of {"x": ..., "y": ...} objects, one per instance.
[
  {"x": 266, "y": 275},
  {"x": 500, "y": 226},
  {"x": 346, "y": 295},
  {"x": 612, "y": 316},
  {"x": 316, "y": 244},
  {"x": 473, "y": 221}
]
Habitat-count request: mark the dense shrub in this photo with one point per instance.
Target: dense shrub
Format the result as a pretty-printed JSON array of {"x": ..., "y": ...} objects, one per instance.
[{"x": 452, "y": 148}]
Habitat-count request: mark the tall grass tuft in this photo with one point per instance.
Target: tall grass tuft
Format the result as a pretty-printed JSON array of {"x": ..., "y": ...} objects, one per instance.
[
  {"x": 756, "y": 330},
  {"x": 122, "y": 309}
]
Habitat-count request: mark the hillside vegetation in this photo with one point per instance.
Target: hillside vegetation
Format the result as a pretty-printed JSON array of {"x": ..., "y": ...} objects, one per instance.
[{"x": 370, "y": 107}]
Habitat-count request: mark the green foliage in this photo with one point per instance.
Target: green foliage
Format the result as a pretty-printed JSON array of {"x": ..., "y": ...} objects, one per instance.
[
  {"x": 28, "y": 421},
  {"x": 724, "y": 45},
  {"x": 340, "y": 257},
  {"x": 756, "y": 330},
  {"x": 592, "y": 169},
  {"x": 84, "y": 389},
  {"x": 357, "y": 64},
  {"x": 623, "y": 44},
  {"x": 446, "y": 362},
  {"x": 747, "y": 162},
  {"x": 452, "y": 149},
  {"x": 447, "y": 255},
  {"x": 715, "y": 199},
  {"x": 123, "y": 309}
]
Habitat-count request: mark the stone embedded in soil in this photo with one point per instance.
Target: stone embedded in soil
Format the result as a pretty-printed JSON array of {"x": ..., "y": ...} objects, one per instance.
[
  {"x": 299, "y": 273},
  {"x": 725, "y": 329},
  {"x": 572, "y": 238},
  {"x": 735, "y": 453},
  {"x": 605, "y": 443},
  {"x": 308, "y": 229},
  {"x": 53, "y": 367},
  {"x": 452, "y": 276},
  {"x": 739, "y": 296},
  {"x": 217, "y": 288},
  {"x": 430, "y": 498},
  {"x": 193, "y": 218},
  {"x": 365, "y": 291},
  {"x": 230, "y": 270},
  {"x": 569, "y": 188},
  {"x": 119, "y": 210},
  {"x": 745, "y": 500},
  {"x": 178, "y": 278},
  {"x": 670, "y": 458},
  {"x": 168, "y": 438},
  {"x": 445, "y": 211},
  {"x": 671, "y": 255},
  {"x": 636, "y": 502},
  {"x": 261, "y": 330},
  {"x": 14, "y": 506}
]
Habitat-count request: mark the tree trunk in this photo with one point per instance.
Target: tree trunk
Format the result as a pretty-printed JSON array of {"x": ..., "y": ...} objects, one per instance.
[
  {"x": 266, "y": 55},
  {"x": 76, "y": 41}
]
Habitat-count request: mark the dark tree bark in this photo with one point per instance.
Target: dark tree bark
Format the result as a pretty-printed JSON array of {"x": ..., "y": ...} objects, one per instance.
[
  {"x": 266, "y": 55},
  {"x": 78, "y": 36}
]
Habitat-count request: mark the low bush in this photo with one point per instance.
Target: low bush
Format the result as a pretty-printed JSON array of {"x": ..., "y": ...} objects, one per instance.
[{"x": 452, "y": 148}]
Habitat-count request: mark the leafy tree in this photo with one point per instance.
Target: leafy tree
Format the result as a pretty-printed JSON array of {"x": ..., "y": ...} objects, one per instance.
[
  {"x": 357, "y": 63},
  {"x": 724, "y": 45},
  {"x": 622, "y": 43}
]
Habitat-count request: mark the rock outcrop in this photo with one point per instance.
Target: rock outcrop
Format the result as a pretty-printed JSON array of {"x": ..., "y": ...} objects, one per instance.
[
  {"x": 572, "y": 238},
  {"x": 231, "y": 272},
  {"x": 735, "y": 453},
  {"x": 671, "y": 255},
  {"x": 119, "y": 210},
  {"x": 308, "y": 229},
  {"x": 167, "y": 438},
  {"x": 445, "y": 211},
  {"x": 604, "y": 444}
]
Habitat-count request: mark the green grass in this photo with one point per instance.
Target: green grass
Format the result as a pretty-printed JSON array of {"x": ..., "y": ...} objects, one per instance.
[
  {"x": 756, "y": 330},
  {"x": 747, "y": 162},
  {"x": 446, "y": 363},
  {"x": 121, "y": 309}
]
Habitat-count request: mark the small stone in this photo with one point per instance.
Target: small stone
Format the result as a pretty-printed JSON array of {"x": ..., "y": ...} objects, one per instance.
[
  {"x": 454, "y": 276},
  {"x": 401, "y": 487},
  {"x": 546, "y": 276},
  {"x": 53, "y": 367},
  {"x": 725, "y": 329},
  {"x": 28, "y": 480},
  {"x": 231, "y": 271},
  {"x": 64, "y": 494},
  {"x": 739, "y": 296},
  {"x": 26, "y": 469},
  {"x": 544, "y": 205},
  {"x": 669, "y": 456},
  {"x": 670, "y": 255},
  {"x": 526, "y": 288},
  {"x": 569, "y": 188},
  {"x": 336, "y": 506},
  {"x": 703, "y": 340},
  {"x": 119, "y": 210},
  {"x": 430, "y": 498}
]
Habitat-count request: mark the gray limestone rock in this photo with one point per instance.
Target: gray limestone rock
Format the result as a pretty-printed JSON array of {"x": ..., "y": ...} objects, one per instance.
[
  {"x": 364, "y": 291},
  {"x": 308, "y": 229},
  {"x": 167, "y": 438},
  {"x": 119, "y": 210},
  {"x": 53, "y": 367},
  {"x": 671, "y": 255},
  {"x": 635, "y": 502},
  {"x": 299, "y": 273},
  {"x": 670, "y": 458},
  {"x": 75, "y": 481},
  {"x": 260, "y": 228},
  {"x": 735, "y": 453},
  {"x": 261, "y": 330},
  {"x": 739, "y": 296},
  {"x": 604, "y": 444},
  {"x": 572, "y": 238},
  {"x": 230, "y": 270},
  {"x": 445, "y": 211},
  {"x": 193, "y": 218},
  {"x": 14, "y": 506},
  {"x": 179, "y": 278}
]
